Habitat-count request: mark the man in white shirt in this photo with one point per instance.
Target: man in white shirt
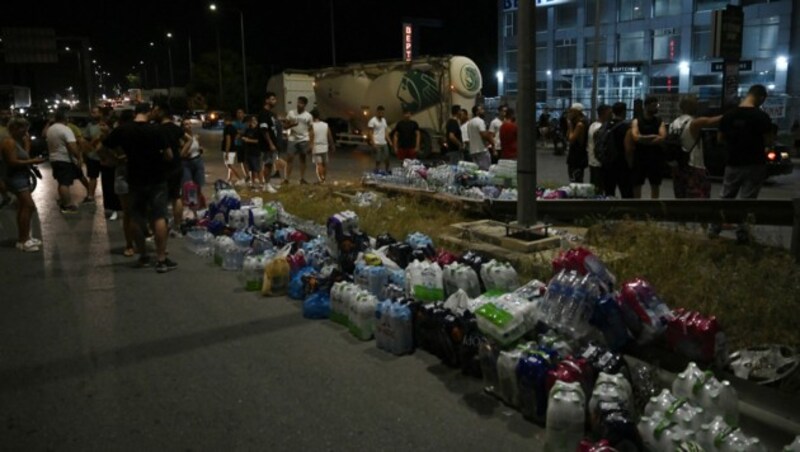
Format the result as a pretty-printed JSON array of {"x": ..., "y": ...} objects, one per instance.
[
  {"x": 64, "y": 155},
  {"x": 595, "y": 167},
  {"x": 494, "y": 127},
  {"x": 479, "y": 139},
  {"x": 691, "y": 180},
  {"x": 323, "y": 143},
  {"x": 298, "y": 122},
  {"x": 379, "y": 138}
]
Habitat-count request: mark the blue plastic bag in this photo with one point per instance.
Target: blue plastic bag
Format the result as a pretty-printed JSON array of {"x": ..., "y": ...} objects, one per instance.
[
  {"x": 317, "y": 306},
  {"x": 296, "y": 284}
]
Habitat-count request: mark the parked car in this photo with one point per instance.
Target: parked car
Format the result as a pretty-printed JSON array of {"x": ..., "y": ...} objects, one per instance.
[
  {"x": 779, "y": 161},
  {"x": 212, "y": 119}
]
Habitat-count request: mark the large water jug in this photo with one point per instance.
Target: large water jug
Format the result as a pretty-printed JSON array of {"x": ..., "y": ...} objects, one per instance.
[
  {"x": 253, "y": 272},
  {"x": 383, "y": 327},
  {"x": 342, "y": 295},
  {"x": 531, "y": 379},
  {"x": 424, "y": 281},
  {"x": 200, "y": 242},
  {"x": 688, "y": 383},
  {"x": 620, "y": 382},
  {"x": 362, "y": 315},
  {"x": 661, "y": 435},
  {"x": 565, "y": 417},
  {"x": 400, "y": 321},
  {"x": 377, "y": 279},
  {"x": 499, "y": 276},
  {"x": 239, "y": 218},
  {"x": 507, "y": 387},
  {"x": 488, "y": 354},
  {"x": 719, "y": 398},
  {"x": 221, "y": 243}
]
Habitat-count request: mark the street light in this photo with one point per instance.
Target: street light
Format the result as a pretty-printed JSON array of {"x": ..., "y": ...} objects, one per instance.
[
  {"x": 213, "y": 7},
  {"x": 169, "y": 54},
  {"x": 500, "y": 76},
  {"x": 781, "y": 63}
]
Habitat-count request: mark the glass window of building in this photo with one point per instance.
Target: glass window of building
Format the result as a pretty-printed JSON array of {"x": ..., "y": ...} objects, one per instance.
[
  {"x": 541, "y": 91},
  {"x": 607, "y": 12},
  {"x": 566, "y": 54},
  {"x": 701, "y": 43},
  {"x": 541, "y": 20},
  {"x": 706, "y": 5},
  {"x": 630, "y": 10},
  {"x": 666, "y": 44},
  {"x": 567, "y": 16},
  {"x": 602, "y": 53},
  {"x": 631, "y": 47},
  {"x": 541, "y": 56},
  {"x": 510, "y": 24},
  {"x": 664, "y": 85},
  {"x": 666, "y": 8},
  {"x": 760, "y": 38},
  {"x": 511, "y": 60}
]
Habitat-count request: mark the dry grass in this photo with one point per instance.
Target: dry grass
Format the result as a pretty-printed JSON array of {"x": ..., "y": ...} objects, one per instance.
[{"x": 753, "y": 290}]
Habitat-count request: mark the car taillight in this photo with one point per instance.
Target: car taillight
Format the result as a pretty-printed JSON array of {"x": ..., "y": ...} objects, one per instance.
[{"x": 772, "y": 155}]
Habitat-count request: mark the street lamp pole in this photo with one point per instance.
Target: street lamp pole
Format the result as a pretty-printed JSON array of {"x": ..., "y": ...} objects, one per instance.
[
  {"x": 169, "y": 55},
  {"x": 244, "y": 61}
]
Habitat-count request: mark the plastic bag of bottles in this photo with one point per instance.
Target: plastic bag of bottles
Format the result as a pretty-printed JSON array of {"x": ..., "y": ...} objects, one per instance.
[
  {"x": 499, "y": 276},
  {"x": 461, "y": 277},
  {"x": 424, "y": 281},
  {"x": 276, "y": 274},
  {"x": 296, "y": 290},
  {"x": 317, "y": 306},
  {"x": 645, "y": 314}
]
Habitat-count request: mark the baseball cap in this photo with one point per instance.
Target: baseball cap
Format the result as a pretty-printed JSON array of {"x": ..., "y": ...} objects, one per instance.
[{"x": 577, "y": 106}]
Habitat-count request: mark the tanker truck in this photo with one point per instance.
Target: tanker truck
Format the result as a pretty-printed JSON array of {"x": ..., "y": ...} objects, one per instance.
[{"x": 347, "y": 96}]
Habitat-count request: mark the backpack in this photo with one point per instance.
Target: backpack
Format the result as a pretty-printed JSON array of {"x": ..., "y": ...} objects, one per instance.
[
  {"x": 674, "y": 152},
  {"x": 605, "y": 146}
]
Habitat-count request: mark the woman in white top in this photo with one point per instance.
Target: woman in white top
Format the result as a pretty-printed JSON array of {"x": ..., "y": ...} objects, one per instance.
[
  {"x": 322, "y": 138},
  {"x": 191, "y": 153}
]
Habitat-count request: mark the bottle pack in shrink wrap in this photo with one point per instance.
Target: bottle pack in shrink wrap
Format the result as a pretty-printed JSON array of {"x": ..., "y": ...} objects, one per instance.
[
  {"x": 361, "y": 313},
  {"x": 499, "y": 276}
]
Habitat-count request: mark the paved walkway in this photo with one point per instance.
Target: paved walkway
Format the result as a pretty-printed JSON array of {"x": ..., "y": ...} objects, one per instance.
[{"x": 98, "y": 356}]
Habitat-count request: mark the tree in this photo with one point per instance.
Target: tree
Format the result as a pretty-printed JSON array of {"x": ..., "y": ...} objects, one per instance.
[{"x": 205, "y": 81}]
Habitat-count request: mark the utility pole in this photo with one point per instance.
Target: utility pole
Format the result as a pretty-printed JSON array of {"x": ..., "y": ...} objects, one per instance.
[{"x": 526, "y": 116}]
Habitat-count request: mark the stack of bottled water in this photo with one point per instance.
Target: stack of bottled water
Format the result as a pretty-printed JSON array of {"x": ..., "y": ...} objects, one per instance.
[
  {"x": 570, "y": 302},
  {"x": 393, "y": 326}
]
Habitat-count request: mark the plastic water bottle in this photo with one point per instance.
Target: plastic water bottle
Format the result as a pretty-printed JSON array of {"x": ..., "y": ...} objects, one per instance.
[
  {"x": 400, "y": 321},
  {"x": 507, "y": 387},
  {"x": 555, "y": 288},
  {"x": 565, "y": 417},
  {"x": 383, "y": 331},
  {"x": 377, "y": 278},
  {"x": 556, "y": 312}
]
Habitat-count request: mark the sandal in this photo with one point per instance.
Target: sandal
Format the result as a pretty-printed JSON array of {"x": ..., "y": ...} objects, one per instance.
[{"x": 129, "y": 252}]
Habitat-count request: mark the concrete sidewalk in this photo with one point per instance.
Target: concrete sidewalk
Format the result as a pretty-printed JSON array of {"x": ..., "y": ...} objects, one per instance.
[{"x": 98, "y": 356}]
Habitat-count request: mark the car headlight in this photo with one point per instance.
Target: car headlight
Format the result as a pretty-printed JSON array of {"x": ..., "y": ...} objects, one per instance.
[{"x": 784, "y": 156}]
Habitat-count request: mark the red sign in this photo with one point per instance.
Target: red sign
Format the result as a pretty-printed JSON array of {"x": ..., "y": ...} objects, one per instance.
[{"x": 408, "y": 42}]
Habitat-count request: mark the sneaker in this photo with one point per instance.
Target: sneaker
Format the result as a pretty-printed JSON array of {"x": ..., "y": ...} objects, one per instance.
[
  {"x": 303, "y": 182},
  {"x": 165, "y": 266},
  {"x": 36, "y": 241},
  {"x": 270, "y": 189},
  {"x": 143, "y": 262},
  {"x": 69, "y": 210},
  {"x": 29, "y": 246},
  {"x": 88, "y": 200},
  {"x": 114, "y": 216}
]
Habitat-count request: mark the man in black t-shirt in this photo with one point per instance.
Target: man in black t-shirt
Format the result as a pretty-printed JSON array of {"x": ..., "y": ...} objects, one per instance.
[
  {"x": 745, "y": 131},
  {"x": 617, "y": 173},
  {"x": 406, "y": 137},
  {"x": 268, "y": 125},
  {"x": 228, "y": 148},
  {"x": 162, "y": 115},
  {"x": 453, "y": 141},
  {"x": 146, "y": 152},
  {"x": 649, "y": 163}
]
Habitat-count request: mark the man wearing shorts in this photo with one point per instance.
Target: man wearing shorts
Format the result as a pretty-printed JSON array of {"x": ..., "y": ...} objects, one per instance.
[
  {"x": 252, "y": 151},
  {"x": 321, "y": 136},
  {"x": 64, "y": 155},
  {"x": 407, "y": 137},
  {"x": 240, "y": 124},
  {"x": 147, "y": 152},
  {"x": 162, "y": 115},
  {"x": 379, "y": 138},
  {"x": 268, "y": 126},
  {"x": 229, "y": 152},
  {"x": 649, "y": 162},
  {"x": 298, "y": 122},
  {"x": 479, "y": 139},
  {"x": 92, "y": 160}
]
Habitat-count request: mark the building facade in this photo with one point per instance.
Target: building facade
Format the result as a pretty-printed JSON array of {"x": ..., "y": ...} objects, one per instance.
[{"x": 661, "y": 47}]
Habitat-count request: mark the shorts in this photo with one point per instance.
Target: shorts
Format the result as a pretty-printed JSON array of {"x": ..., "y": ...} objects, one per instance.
[
  {"x": 121, "y": 180},
  {"x": 320, "y": 159},
  {"x": 381, "y": 152},
  {"x": 268, "y": 157},
  {"x": 92, "y": 168},
  {"x": 253, "y": 162},
  {"x": 65, "y": 172},
  {"x": 648, "y": 164},
  {"x": 194, "y": 170},
  {"x": 229, "y": 158},
  {"x": 240, "y": 154},
  {"x": 175, "y": 184},
  {"x": 149, "y": 202},
  {"x": 298, "y": 148},
  {"x": 482, "y": 159},
  {"x": 19, "y": 182},
  {"x": 406, "y": 153}
]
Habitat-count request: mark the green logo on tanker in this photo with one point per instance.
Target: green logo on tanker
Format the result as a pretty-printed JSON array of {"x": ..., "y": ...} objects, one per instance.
[
  {"x": 470, "y": 78},
  {"x": 418, "y": 90}
]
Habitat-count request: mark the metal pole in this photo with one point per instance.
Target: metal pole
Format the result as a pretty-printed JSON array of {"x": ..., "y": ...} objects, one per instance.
[
  {"x": 526, "y": 116},
  {"x": 244, "y": 61},
  {"x": 219, "y": 66},
  {"x": 191, "y": 64},
  {"x": 596, "y": 57},
  {"x": 333, "y": 37}
]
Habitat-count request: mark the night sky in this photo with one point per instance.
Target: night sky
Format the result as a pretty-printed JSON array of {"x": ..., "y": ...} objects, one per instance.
[{"x": 279, "y": 34}]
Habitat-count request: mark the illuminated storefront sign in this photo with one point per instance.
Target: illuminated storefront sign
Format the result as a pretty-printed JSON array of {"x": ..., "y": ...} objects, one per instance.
[{"x": 408, "y": 42}]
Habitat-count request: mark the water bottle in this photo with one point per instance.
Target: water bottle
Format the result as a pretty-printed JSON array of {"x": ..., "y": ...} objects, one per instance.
[
  {"x": 660, "y": 403},
  {"x": 688, "y": 383},
  {"x": 239, "y": 219},
  {"x": 507, "y": 388},
  {"x": 362, "y": 316},
  {"x": 488, "y": 355},
  {"x": 383, "y": 330},
  {"x": 402, "y": 328},
  {"x": 555, "y": 288},
  {"x": 555, "y": 318},
  {"x": 377, "y": 278},
  {"x": 531, "y": 380},
  {"x": 253, "y": 272},
  {"x": 719, "y": 398},
  {"x": 565, "y": 418}
]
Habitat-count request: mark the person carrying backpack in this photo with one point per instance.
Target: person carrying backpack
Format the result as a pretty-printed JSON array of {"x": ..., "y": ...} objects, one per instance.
[
  {"x": 595, "y": 167},
  {"x": 649, "y": 133},
  {"x": 613, "y": 148},
  {"x": 684, "y": 150}
]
